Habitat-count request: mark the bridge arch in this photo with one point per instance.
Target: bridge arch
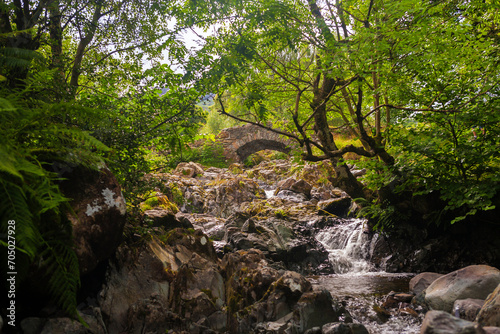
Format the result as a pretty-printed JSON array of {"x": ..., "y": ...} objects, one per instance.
[{"x": 242, "y": 141}]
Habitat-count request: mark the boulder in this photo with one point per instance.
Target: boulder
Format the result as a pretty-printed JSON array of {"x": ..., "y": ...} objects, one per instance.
[
  {"x": 335, "y": 206},
  {"x": 136, "y": 278},
  {"x": 301, "y": 187},
  {"x": 476, "y": 281},
  {"x": 170, "y": 280},
  {"x": 489, "y": 315},
  {"x": 189, "y": 169},
  {"x": 440, "y": 322},
  {"x": 166, "y": 219},
  {"x": 98, "y": 216},
  {"x": 420, "y": 282},
  {"x": 467, "y": 309},
  {"x": 314, "y": 309}
]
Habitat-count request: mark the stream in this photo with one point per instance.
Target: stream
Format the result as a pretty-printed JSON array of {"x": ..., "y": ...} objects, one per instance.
[{"x": 358, "y": 285}]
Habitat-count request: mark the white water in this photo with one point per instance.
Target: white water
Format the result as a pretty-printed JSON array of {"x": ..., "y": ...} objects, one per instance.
[
  {"x": 270, "y": 193},
  {"x": 348, "y": 246},
  {"x": 358, "y": 283}
]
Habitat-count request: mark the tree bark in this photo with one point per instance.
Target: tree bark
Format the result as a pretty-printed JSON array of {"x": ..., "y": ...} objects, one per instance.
[{"x": 84, "y": 42}]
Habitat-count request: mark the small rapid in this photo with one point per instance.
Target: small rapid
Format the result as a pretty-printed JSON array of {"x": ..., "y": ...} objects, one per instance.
[
  {"x": 358, "y": 284},
  {"x": 348, "y": 246}
]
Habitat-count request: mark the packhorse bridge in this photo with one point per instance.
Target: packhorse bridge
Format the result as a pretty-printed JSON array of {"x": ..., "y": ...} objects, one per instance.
[{"x": 242, "y": 141}]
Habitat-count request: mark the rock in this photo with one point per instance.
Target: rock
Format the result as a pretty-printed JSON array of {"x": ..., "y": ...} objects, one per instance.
[
  {"x": 491, "y": 330},
  {"x": 467, "y": 309},
  {"x": 440, "y": 322},
  {"x": 137, "y": 277},
  {"x": 334, "y": 206},
  {"x": 489, "y": 315},
  {"x": 32, "y": 325},
  {"x": 189, "y": 169},
  {"x": 161, "y": 283},
  {"x": 292, "y": 196},
  {"x": 99, "y": 214},
  {"x": 225, "y": 195},
  {"x": 166, "y": 219},
  {"x": 420, "y": 282},
  {"x": 342, "y": 328},
  {"x": 476, "y": 281},
  {"x": 315, "y": 309},
  {"x": 301, "y": 187}
]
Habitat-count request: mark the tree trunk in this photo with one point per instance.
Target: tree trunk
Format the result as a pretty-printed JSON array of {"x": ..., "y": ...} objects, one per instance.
[
  {"x": 84, "y": 42},
  {"x": 56, "y": 41},
  {"x": 343, "y": 176}
]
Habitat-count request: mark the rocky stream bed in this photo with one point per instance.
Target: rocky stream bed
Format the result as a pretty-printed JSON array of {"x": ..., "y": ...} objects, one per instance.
[{"x": 272, "y": 249}]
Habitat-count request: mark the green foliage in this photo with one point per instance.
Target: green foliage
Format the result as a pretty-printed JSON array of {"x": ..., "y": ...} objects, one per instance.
[
  {"x": 383, "y": 215},
  {"x": 33, "y": 141},
  {"x": 209, "y": 153}
]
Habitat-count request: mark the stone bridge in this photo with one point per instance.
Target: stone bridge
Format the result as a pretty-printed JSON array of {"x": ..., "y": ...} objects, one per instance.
[{"x": 242, "y": 141}]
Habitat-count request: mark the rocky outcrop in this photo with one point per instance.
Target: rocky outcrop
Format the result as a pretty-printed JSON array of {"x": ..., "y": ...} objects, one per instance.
[
  {"x": 98, "y": 216},
  {"x": 476, "y": 281}
]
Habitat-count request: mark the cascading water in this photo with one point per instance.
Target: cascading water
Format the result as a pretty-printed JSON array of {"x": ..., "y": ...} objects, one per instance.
[
  {"x": 347, "y": 245},
  {"x": 357, "y": 281}
]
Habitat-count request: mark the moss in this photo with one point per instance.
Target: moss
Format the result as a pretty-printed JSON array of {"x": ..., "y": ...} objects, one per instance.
[{"x": 280, "y": 213}]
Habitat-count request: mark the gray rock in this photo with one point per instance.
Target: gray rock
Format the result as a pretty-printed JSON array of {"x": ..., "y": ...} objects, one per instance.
[
  {"x": 440, "y": 322},
  {"x": 420, "y": 282},
  {"x": 467, "y": 309},
  {"x": 301, "y": 187},
  {"x": 315, "y": 309},
  {"x": 476, "y": 281},
  {"x": 489, "y": 315}
]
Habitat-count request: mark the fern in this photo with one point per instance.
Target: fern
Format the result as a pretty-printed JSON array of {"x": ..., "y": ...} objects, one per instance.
[
  {"x": 60, "y": 264},
  {"x": 33, "y": 136}
]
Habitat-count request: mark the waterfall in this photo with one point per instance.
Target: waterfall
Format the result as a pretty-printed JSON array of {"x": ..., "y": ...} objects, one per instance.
[{"x": 348, "y": 246}]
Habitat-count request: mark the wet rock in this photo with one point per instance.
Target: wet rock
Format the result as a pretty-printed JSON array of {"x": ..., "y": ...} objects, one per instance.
[
  {"x": 476, "y": 281},
  {"x": 440, "y": 322},
  {"x": 403, "y": 297},
  {"x": 335, "y": 206},
  {"x": 420, "y": 282},
  {"x": 467, "y": 309},
  {"x": 489, "y": 314},
  {"x": 291, "y": 196},
  {"x": 99, "y": 214},
  {"x": 342, "y": 328},
  {"x": 314, "y": 309}
]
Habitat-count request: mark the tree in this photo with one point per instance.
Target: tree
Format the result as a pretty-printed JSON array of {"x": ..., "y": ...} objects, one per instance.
[{"x": 361, "y": 58}]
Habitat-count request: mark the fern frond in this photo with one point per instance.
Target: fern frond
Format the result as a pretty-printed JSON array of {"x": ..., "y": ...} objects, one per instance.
[
  {"x": 14, "y": 206},
  {"x": 60, "y": 263}
]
